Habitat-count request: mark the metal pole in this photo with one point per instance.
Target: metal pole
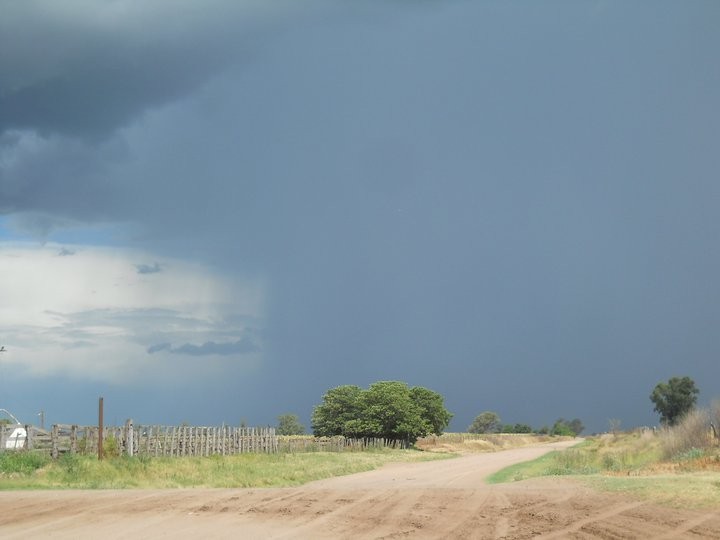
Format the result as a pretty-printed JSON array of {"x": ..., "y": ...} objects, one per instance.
[{"x": 100, "y": 429}]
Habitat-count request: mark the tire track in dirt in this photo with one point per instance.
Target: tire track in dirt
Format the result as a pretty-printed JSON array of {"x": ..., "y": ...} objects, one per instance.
[
  {"x": 694, "y": 526},
  {"x": 612, "y": 512}
]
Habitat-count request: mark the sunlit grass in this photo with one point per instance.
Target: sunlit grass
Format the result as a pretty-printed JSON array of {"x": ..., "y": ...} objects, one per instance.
[
  {"x": 694, "y": 490},
  {"x": 241, "y": 471},
  {"x": 634, "y": 464}
]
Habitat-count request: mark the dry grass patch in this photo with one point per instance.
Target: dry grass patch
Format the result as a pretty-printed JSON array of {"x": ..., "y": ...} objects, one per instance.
[
  {"x": 470, "y": 443},
  {"x": 694, "y": 490},
  {"x": 678, "y": 466}
]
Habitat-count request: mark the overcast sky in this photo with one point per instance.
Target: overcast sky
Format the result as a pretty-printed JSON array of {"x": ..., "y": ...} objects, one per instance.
[{"x": 215, "y": 211}]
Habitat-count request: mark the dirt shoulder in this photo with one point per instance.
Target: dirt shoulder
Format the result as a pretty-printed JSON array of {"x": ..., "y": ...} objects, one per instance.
[{"x": 439, "y": 499}]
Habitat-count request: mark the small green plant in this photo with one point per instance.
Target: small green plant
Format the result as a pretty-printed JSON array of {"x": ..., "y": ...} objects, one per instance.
[
  {"x": 70, "y": 463},
  {"x": 111, "y": 447},
  {"x": 691, "y": 454},
  {"x": 82, "y": 445},
  {"x": 572, "y": 462},
  {"x": 23, "y": 463}
]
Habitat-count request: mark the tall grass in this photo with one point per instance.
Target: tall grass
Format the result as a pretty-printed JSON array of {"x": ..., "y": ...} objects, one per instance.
[
  {"x": 613, "y": 454},
  {"x": 689, "y": 446},
  {"x": 693, "y": 433},
  {"x": 22, "y": 463},
  {"x": 243, "y": 470}
]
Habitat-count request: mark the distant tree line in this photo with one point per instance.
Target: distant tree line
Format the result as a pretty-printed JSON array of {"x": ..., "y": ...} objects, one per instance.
[
  {"x": 393, "y": 410},
  {"x": 489, "y": 422}
]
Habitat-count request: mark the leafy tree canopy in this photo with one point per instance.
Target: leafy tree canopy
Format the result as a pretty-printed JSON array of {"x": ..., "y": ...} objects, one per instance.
[
  {"x": 570, "y": 428},
  {"x": 486, "y": 422},
  {"x": 289, "y": 424},
  {"x": 388, "y": 409},
  {"x": 674, "y": 399},
  {"x": 340, "y": 406},
  {"x": 517, "y": 428}
]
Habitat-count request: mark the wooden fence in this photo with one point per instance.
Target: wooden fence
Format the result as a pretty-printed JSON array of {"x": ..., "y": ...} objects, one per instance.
[
  {"x": 167, "y": 441},
  {"x": 176, "y": 441}
]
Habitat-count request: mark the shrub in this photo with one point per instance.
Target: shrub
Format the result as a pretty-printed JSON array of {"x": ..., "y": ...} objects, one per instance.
[
  {"x": 22, "y": 462},
  {"x": 289, "y": 424},
  {"x": 486, "y": 422},
  {"x": 692, "y": 432}
]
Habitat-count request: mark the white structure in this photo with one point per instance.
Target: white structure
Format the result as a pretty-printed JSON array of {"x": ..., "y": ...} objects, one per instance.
[{"x": 14, "y": 435}]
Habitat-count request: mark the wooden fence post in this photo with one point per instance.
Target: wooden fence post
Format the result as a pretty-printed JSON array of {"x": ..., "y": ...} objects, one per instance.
[
  {"x": 54, "y": 442},
  {"x": 73, "y": 439},
  {"x": 129, "y": 437},
  {"x": 28, "y": 437},
  {"x": 100, "y": 429}
]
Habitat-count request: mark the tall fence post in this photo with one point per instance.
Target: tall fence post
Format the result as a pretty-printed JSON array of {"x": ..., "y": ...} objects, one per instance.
[
  {"x": 54, "y": 441},
  {"x": 100, "y": 429},
  {"x": 73, "y": 439},
  {"x": 28, "y": 437},
  {"x": 129, "y": 437}
]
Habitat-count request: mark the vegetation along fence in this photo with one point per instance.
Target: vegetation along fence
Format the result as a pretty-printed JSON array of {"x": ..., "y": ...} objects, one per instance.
[
  {"x": 308, "y": 443},
  {"x": 176, "y": 441}
]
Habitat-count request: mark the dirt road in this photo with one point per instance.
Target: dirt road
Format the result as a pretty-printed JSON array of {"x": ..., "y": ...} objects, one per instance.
[{"x": 439, "y": 499}]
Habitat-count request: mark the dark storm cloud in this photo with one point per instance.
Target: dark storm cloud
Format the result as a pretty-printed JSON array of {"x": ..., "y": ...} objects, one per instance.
[
  {"x": 86, "y": 68},
  {"x": 159, "y": 347},
  {"x": 72, "y": 74},
  {"x": 495, "y": 200},
  {"x": 148, "y": 268},
  {"x": 241, "y": 346}
]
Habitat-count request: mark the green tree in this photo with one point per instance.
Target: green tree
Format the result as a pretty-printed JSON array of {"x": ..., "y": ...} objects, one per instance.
[
  {"x": 568, "y": 428},
  {"x": 340, "y": 406},
  {"x": 432, "y": 407},
  {"x": 388, "y": 409},
  {"x": 486, "y": 422},
  {"x": 517, "y": 428},
  {"x": 674, "y": 399},
  {"x": 576, "y": 426},
  {"x": 289, "y": 424}
]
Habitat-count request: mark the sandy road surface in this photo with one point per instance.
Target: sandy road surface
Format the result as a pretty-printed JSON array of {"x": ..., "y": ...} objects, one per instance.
[{"x": 440, "y": 499}]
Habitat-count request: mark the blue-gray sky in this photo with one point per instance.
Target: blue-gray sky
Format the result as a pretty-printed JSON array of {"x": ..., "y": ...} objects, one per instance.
[{"x": 214, "y": 211}]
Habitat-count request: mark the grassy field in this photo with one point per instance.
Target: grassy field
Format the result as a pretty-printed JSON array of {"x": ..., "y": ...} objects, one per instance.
[
  {"x": 23, "y": 470},
  {"x": 36, "y": 471},
  {"x": 641, "y": 464}
]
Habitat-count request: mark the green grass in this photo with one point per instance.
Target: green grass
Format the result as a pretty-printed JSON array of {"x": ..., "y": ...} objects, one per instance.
[
  {"x": 693, "y": 490},
  {"x": 244, "y": 470},
  {"x": 22, "y": 463},
  {"x": 629, "y": 453},
  {"x": 522, "y": 471},
  {"x": 631, "y": 464}
]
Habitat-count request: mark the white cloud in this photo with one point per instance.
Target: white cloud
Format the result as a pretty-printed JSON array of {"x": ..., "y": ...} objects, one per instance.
[{"x": 92, "y": 315}]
